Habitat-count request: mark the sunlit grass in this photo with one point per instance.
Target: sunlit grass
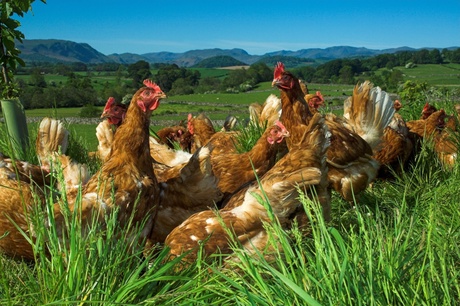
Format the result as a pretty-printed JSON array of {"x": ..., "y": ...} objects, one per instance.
[
  {"x": 441, "y": 75},
  {"x": 398, "y": 245}
]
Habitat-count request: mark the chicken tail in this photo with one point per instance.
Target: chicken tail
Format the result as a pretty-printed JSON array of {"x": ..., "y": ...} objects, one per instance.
[
  {"x": 104, "y": 134},
  {"x": 229, "y": 123},
  {"x": 271, "y": 111},
  {"x": 368, "y": 112},
  {"x": 52, "y": 136}
]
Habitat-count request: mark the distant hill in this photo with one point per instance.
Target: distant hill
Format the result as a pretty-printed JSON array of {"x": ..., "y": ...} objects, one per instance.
[
  {"x": 219, "y": 61},
  {"x": 126, "y": 58},
  {"x": 337, "y": 52},
  {"x": 54, "y": 50},
  {"x": 289, "y": 61},
  {"x": 193, "y": 57}
]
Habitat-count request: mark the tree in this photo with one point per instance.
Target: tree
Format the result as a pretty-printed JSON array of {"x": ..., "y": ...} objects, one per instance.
[
  {"x": 305, "y": 73},
  {"x": 234, "y": 79},
  {"x": 139, "y": 71},
  {"x": 455, "y": 56},
  {"x": 62, "y": 69},
  {"x": 37, "y": 79},
  {"x": 208, "y": 85},
  {"x": 346, "y": 75},
  {"x": 391, "y": 78},
  {"x": 168, "y": 74},
  {"x": 260, "y": 72},
  {"x": 422, "y": 57},
  {"x": 13, "y": 110},
  {"x": 181, "y": 87},
  {"x": 9, "y": 54},
  {"x": 435, "y": 56}
]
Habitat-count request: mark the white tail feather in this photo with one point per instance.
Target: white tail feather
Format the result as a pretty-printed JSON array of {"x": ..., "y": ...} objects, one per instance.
[
  {"x": 52, "y": 137},
  {"x": 368, "y": 112}
]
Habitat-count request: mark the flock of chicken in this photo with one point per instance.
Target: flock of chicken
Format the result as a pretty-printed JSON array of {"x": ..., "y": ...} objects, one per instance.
[{"x": 191, "y": 199}]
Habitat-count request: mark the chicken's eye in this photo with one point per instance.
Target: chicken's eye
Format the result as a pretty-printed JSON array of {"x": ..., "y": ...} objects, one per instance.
[{"x": 274, "y": 132}]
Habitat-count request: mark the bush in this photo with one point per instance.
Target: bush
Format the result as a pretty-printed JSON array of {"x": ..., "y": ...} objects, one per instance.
[{"x": 89, "y": 111}]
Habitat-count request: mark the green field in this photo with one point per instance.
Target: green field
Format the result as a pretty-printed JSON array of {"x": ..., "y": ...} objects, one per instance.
[
  {"x": 176, "y": 108},
  {"x": 219, "y": 105},
  {"x": 439, "y": 75}
]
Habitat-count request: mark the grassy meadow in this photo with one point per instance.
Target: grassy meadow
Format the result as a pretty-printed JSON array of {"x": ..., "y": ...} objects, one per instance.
[
  {"x": 176, "y": 108},
  {"x": 219, "y": 105},
  {"x": 398, "y": 243},
  {"x": 445, "y": 75}
]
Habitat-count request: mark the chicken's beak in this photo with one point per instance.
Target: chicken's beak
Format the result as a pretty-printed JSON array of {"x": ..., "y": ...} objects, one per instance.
[
  {"x": 275, "y": 82},
  {"x": 284, "y": 131},
  {"x": 105, "y": 115}
]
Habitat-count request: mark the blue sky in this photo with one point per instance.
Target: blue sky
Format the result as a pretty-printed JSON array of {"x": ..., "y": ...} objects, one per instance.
[{"x": 258, "y": 27}]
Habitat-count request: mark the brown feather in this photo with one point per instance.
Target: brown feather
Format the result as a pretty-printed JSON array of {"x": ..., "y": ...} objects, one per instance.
[
  {"x": 236, "y": 169},
  {"x": 426, "y": 127},
  {"x": 185, "y": 189},
  {"x": 201, "y": 129},
  {"x": 395, "y": 149}
]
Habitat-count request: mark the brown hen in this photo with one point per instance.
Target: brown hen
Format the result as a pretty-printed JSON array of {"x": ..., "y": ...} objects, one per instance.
[
  {"x": 114, "y": 113},
  {"x": 24, "y": 186},
  {"x": 187, "y": 185},
  {"x": 396, "y": 146},
  {"x": 426, "y": 127},
  {"x": 438, "y": 127},
  {"x": 173, "y": 136},
  {"x": 235, "y": 169},
  {"x": 18, "y": 200},
  {"x": 201, "y": 129},
  {"x": 244, "y": 216},
  {"x": 126, "y": 180},
  {"x": 428, "y": 110},
  {"x": 446, "y": 147},
  {"x": 369, "y": 110},
  {"x": 446, "y": 141}
]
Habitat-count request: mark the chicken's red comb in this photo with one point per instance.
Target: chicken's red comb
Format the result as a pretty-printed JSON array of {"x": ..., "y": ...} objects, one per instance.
[
  {"x": 318, "y": 93},
  {"x": 426, "y": 107},
  {"x": 110, "y": 102},
  {"x": 189, "y": 124},
  {"x": 152, "y": 85},
  {"x": 279, "y": 69}
]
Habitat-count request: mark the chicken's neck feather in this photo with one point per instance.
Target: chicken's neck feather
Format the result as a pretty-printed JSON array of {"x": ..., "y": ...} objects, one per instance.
[
  {"x": 263, "y": 150},
  {"x": 131, "y": 141}
]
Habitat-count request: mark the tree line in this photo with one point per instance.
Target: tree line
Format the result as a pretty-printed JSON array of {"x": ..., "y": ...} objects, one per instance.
[{"x": 79, "y": 90}]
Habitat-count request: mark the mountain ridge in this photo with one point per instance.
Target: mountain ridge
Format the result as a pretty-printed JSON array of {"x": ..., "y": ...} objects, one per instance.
[{"x": 65, "y": 51}]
